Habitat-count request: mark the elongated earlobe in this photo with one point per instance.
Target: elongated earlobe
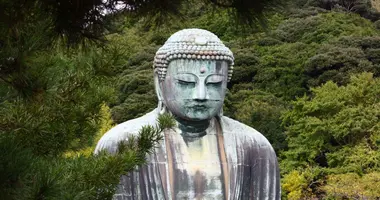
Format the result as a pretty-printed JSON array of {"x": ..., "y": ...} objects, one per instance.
[
  {"x": 161, "y": 108},
  {"x": 220, "y": 113}
]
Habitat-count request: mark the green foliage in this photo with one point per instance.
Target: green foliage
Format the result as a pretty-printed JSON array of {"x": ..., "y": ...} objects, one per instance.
[
  {"x": 336, "y": 130},
  {"x": 377, "y": 24},
  {"x": 296, "y": 53},
  {"x": 52, "y": 108},
  {"x": 305, "y": 49},
  {"x": 258, "y": 109},
  {"x": 335, "y": 126},
  {"x": 280, "y": 69},
  {"x": 165, "y": 121},
  {"x": 304, "y": 12},
  {"x": 337, "y": 63},
  {"x": 104, "y": 125},
  {"x": 302, "y": 183},
  {"x": 14, "y": 164},
  {"x": 53, "y": 97},
  {"x": 353, "y": 186},
  {"x": 219, "y": 22},
  {"x": 323, "y": 27},
  {"x": 25, "y": 176},
  {"x": 59, "y": 102},
  {"x": 306, "y": 52},
  {"x": 365, "y": 8},
  {"x": 245, "y": 63},
  {"x": 248, "y": 11},
  {"x": 295, "y": 186},
  {"x": 137, "y": 95},
  {"x": 147, "y": 137}
]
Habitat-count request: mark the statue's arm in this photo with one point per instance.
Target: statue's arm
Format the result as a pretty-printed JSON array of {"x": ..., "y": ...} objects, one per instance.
[
  {"x": 110, "y": 140},
  {"x": 258, "y": 177},
  {"x": 266, "y": 176}
]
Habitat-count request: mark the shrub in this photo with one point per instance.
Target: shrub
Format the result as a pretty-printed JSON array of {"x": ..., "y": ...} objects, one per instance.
[
  {"x": 259, "y": 110},
  {"x": 336, "y": 64},
  {"x": 327, "y": 129},
  {"x": 353, "y": 186}
]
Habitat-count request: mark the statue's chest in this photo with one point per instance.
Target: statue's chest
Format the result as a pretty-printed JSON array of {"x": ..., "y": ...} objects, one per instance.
[
  {"x": 196, "y": 169},
  {"x": 203, "y": 157}
]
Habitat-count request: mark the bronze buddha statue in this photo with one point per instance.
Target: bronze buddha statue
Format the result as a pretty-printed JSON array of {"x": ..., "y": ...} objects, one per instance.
[{"x": 207, "y": 155}]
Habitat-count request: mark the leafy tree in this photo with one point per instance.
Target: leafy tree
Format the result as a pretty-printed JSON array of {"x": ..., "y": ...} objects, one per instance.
[
  {"x": 331, "y": 128},
  {"x": 353, "y": 186},
  {"x": 365, "y": 8},
  {"x": 56, "y": 84},
  {"x": 257, "y": 109},
  {"x": 26, "y": 176},
  {"x": 296, "y": 185},
  {"x": 54, "y": 80},
  {"x": 136, "y": 90},
  {"x": 335, "y": 132},
  {"x": 280, "y": 69},
  {"x": 307, "y": 51},
  {"x": 337, "y": 64}
]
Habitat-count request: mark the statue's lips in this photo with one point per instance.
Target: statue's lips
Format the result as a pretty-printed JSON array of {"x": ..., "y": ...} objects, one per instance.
[
  {"x": 194, "y": 104},
  {"x": 198, "y": 106},
  {"x": 202, "y": 105}
]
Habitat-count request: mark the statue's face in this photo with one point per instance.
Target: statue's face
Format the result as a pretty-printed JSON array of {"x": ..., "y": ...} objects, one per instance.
[{"x": 195, "y": 89}]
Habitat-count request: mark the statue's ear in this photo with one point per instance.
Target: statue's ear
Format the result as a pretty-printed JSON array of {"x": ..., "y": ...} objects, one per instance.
[
  {"x": 161, "y": 106},
  {"x": 157, "y": 86}
]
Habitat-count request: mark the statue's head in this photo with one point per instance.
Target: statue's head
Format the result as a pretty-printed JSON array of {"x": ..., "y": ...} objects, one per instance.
[{"x": 191, "y": 73}]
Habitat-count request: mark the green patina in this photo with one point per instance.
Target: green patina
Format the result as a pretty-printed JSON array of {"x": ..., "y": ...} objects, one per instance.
[{"x": 195, "y": 89}]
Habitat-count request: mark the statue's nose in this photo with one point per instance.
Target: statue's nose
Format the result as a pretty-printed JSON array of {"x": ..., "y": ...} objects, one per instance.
[{"x": 200, "y": 92}]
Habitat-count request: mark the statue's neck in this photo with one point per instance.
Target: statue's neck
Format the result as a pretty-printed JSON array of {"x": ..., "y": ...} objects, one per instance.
[{"x": 193, "y": 128}]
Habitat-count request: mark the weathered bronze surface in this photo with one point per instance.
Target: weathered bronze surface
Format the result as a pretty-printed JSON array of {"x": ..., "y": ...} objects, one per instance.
[{"x": 207, "y": 155}]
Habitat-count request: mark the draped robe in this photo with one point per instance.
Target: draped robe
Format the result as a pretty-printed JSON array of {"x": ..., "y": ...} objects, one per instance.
[{"x": 248, "y": 165}]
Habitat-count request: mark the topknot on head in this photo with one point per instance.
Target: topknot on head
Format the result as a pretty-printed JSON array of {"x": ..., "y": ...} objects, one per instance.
[{"x": 192, "y": 44}]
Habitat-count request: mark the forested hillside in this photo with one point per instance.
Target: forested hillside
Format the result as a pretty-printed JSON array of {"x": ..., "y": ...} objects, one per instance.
[
  {"x": 306, "y": 76},
  {"x": 308, "y": 82}
]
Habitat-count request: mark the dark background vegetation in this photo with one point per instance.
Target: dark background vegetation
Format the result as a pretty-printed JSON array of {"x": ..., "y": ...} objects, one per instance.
[{"x": 306, "y": 76}]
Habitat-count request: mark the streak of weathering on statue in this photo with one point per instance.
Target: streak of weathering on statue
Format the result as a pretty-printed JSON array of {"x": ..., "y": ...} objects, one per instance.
[{"x": 194, "y": 44}]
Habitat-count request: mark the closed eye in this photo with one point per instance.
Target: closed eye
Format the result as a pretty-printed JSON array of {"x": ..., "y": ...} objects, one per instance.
[
  {"x": 186, "y": 84},
  {"x": 214, "y": 79},
  {"x": 214, "y": 83},
  {"x": 185, "y": 81}
]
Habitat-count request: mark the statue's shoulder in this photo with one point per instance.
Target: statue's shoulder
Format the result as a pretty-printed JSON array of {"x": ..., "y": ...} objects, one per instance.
[
  {"x": 243, "y": 132},
  {"x": 121, "y": 132}
]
